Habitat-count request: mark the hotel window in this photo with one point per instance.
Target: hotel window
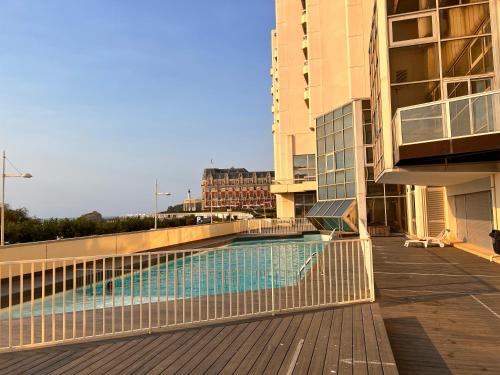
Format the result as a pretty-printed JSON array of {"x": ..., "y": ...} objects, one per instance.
[
  {"x": 304, "y": 168},
  {"x": 408, "y": 6},
  {"x": 303, "y": 203}
]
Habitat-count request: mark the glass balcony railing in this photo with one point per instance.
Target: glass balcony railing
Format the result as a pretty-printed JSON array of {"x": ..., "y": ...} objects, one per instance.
[{"x": 449, "y": 119}]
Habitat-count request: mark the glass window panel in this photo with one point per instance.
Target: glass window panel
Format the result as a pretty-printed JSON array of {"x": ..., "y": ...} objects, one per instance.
[
  {"x": 349, "y": 158},
  {"x": 374, "y": 190},
  {"x": 321, "y": 164},
  {"x": 340, "y": 191},
  {"x": 369, "y": 155},
  {"x": 467, "y": 56},
  {"x": 365, "y": 104},
  {"x": 348, "y": 121},
  {"x": 332, "y": 192},
  {"x": 415, "y": 93},
  {"x": 412, "y": 29},
  {"x": 319, "y": 121},
  {"x": 339, "y": 160},
  {"x": 322, "y": 179},
  {"x": 396, "y": 214},
  {"x": 391, "y": 189},
  {"x": 329, "y": 117},
  {"x": 414, "y": 63},
  {"x": 350, "y": 190},
  {"x": 329, "y": 128},
  {"x": 330, "y": 178},
  {"x": 367, "y": 117},
  {"x": 349, "y": 175},
  {"x": 329, "y": 143},
  {"x": 321, "y": 146},
  {"x": 339, "y": 141},
  {"x": 320, "y": 132},
  {"x": 333, "y": 208},
  {"x": 375, "y": 208},
  {"x": 347, "y": 109},
  {"x": 337, "y": 113},
  {"x": 407, "y": 6},
  {"x": 470, "y": 18},
  {"x": 348, "y": 138},
  {"x": 300, "y": 161},
  {"x": 329, "y": 162},
  {"x": 337, "y": 125},
  {"x": 340, "y": 177},
  {"x": 369, "y": 173},
  {"x": 367, "y": 134},
  {"x": 322, "y": 193}
]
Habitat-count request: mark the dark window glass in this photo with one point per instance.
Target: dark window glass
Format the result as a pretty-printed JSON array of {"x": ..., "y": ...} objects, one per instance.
[{"x": 407, "y": 6}]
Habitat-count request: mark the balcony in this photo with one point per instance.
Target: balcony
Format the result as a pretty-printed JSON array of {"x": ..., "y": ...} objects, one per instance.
[
  {"x": 306, "y": 95},
  {"x": 303, "y": 19},
  {"x": 452, "y": 130},
  {"x": 294, "y": 185},
  {"x": 305, "y": 69},
  {"x": 305, "y": 43}
]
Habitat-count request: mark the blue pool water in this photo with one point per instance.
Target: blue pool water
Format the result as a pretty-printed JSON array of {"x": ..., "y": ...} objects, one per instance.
[{"x": 233, "y": 268}]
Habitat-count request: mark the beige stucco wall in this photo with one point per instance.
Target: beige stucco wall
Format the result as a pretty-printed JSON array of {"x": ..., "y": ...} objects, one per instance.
[{"x": 116, "y": 244}]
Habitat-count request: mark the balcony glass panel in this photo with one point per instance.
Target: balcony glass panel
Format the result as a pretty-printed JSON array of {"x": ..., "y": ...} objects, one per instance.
[{"x": 422, "y": 124}]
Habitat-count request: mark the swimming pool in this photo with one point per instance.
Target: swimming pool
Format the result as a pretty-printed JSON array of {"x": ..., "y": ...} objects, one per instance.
[{"x": 241, "y": 266}]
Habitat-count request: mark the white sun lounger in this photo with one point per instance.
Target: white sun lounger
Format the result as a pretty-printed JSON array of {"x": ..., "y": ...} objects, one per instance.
[{"x": 426, "y": 241}]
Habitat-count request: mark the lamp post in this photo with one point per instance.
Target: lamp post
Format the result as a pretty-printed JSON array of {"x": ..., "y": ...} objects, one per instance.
[
  {"x": 4, "y": 176},
  {"x": 156, "y": 202},
  {"x": 212, "y": 197}
]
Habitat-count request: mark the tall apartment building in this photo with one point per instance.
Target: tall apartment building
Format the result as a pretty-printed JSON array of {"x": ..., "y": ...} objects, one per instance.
[
  {"x": 435, "y": 103},
  {"x": 322, "y": 123},
  {"x": 236, "y": 188}
]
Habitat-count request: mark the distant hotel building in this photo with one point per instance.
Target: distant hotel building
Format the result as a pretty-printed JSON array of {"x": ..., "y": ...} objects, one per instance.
[{"x": 236, "y": 188}]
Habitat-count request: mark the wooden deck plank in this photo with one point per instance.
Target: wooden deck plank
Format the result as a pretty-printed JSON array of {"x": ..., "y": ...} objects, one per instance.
[
  {"x": 279, "y": 354},
  {"x": 199, "y": 340},
  {"x": 333, "y": 347},
  {"x": 212, "y": 356},
  {"x": 300, "y": 335},
  {"x": 250, "y": 332},
  {"x": 372, "y": 353},
  {"x": 320, "y": 348},
  {"x": 243, "y": 351},
  {"x": 256, "y": 350},
  {"x": 195, "y": 355},
  {"x": 268, "y": 352},
  {"x": 304, "y": 359},
  {"x": 360, "y": 362},
  {"x": 345, "y": 358},
  {"x": 183, "y": 340}
]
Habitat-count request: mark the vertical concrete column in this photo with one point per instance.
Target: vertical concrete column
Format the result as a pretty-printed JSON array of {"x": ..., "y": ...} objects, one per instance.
[{"x": 359, "y": 165}]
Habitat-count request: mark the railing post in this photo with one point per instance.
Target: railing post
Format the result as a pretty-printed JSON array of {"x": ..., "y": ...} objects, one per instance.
[{"x": 272, "y": 280}]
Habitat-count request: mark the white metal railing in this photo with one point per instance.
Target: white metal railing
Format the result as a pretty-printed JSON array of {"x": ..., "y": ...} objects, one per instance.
[
  {"x": 279, "y": 226},
  {"x": 297, "y": 180},
  {"x": 72, "y": 299},
  {"x": 448, "y": 119}
]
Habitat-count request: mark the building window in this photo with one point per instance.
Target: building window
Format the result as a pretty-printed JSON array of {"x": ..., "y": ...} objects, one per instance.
[
  {"x": 303, "y": 203},
  {"x": 304, "y": 168},
  {"x": 335, "y": 138},
  {"x": 413, "y": 29}
]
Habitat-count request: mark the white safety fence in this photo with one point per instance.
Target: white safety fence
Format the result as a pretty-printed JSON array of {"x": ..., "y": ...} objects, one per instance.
[
  {"x": 74, "y": 299},
  {"x": 279, "y": 226}
]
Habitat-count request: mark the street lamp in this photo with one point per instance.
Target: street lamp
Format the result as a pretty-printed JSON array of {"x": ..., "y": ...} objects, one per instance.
[
  {"x": 156, "y": 202},
  {"x": 212, "y": 197},
  {"x": 4, "y": 176}
]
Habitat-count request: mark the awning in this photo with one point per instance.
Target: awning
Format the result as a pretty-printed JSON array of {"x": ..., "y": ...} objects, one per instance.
[{"x": 340, "y": 214}]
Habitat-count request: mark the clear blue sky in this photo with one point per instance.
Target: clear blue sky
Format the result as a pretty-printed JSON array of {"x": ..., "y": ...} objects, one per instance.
[{"x": 99, "y": 97}]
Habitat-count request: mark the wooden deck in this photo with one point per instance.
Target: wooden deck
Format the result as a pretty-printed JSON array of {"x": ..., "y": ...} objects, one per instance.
[
  {"x": 441, "y": 308},
  {"x": 348, "y": 340}
]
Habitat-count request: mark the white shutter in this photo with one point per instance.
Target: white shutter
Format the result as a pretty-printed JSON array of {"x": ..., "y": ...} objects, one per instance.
[{"x": 436, "y": 219}]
